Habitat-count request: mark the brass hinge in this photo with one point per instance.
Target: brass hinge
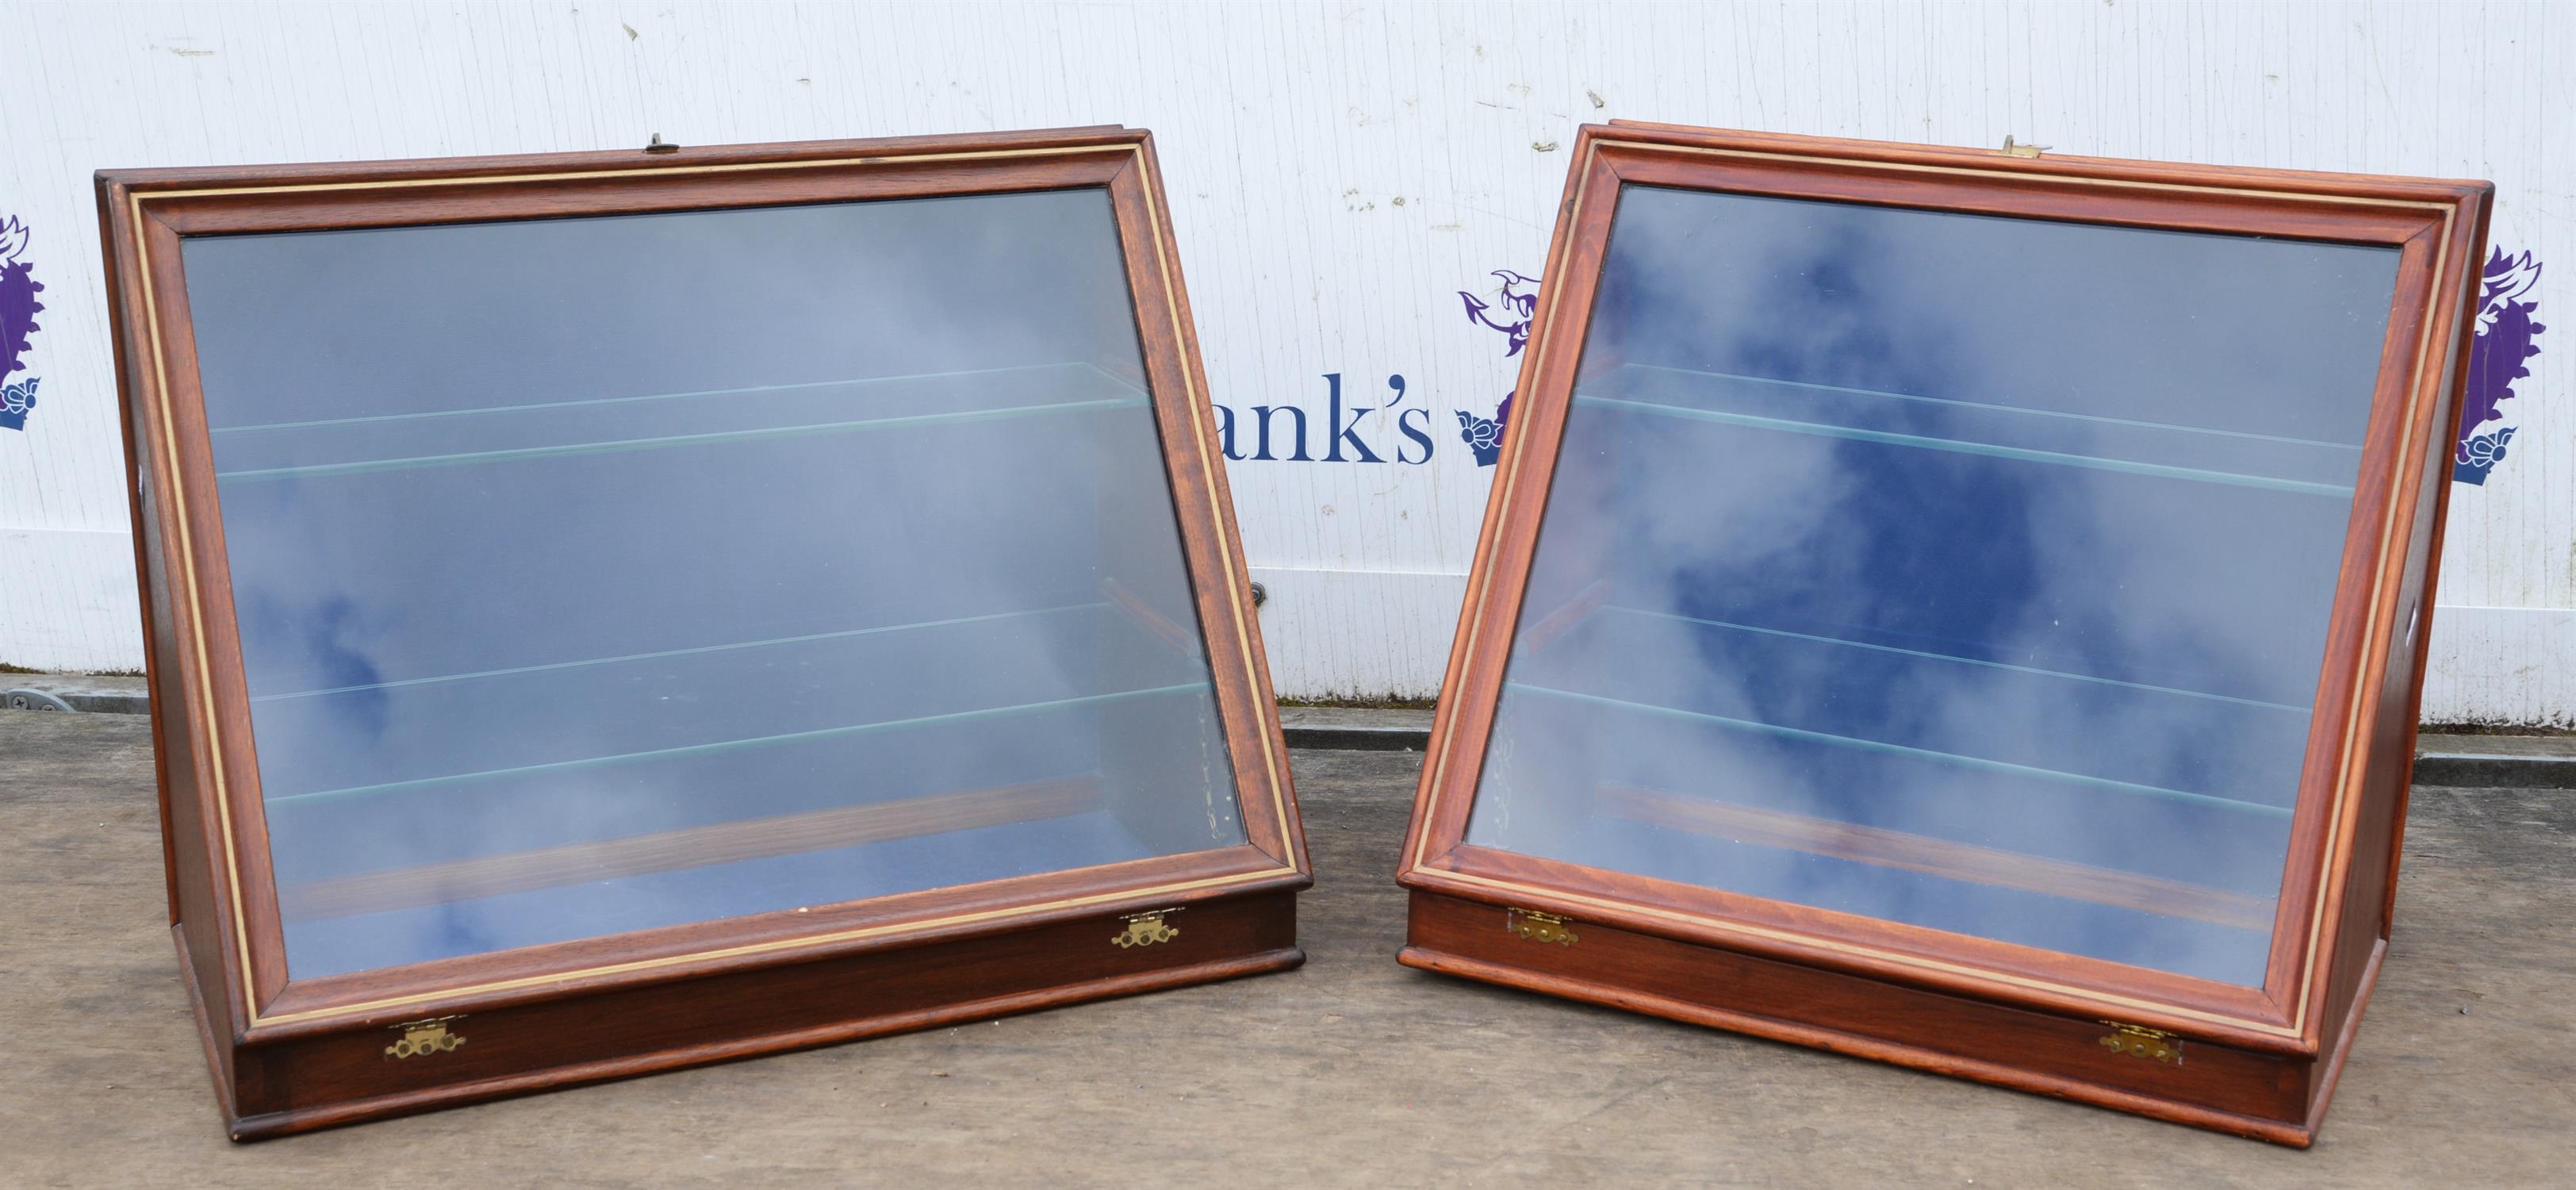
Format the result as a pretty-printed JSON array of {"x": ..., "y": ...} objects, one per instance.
[
  {"x": 2011, "y": 149},
  {"x": 420, "y": 1039},
  {"x": 1146, "y": 929},
  {"x": 2141, "y": 1042},
  {"x": 1540, "y": 927}
]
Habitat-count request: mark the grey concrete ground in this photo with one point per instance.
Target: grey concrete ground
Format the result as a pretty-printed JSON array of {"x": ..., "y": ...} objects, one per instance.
[{"x": 1352, "y": 1071}]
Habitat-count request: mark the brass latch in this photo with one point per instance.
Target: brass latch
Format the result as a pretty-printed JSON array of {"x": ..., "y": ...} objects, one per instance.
[
  {"x": 2011, "y": 149},
  {"x": 1539, "y": 927},
  {"x": 1146, "y": 929},
  {"x": 423, "y": 1038},
  {"x": 2139, "y": 1042}
]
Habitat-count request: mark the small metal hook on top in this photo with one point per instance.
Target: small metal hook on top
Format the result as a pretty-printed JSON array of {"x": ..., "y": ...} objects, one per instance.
[
  {"x": 2011, "y": 149},
  {"x": 658, "y": 145}
]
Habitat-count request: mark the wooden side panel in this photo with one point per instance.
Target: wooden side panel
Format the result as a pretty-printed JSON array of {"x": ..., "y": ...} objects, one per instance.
[
  {"x": 2360, "y": 940},
  {"x": 1509, "y": 539},
  {"x": 190, "y": 848},
  {"x": 215, "y": 695},
  {"x": 1210, "y": 537},
  {"x": 2455, "y": 395}
]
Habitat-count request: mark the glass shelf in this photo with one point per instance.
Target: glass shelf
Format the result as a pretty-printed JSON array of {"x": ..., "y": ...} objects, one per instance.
[
  {"x": 277, "y": 801},
  {"x": 1832, "y": 691},
  {"x": 467, "y": 437},
  {"x": 1999, "y": 432},
  {"x": 376, "y": 741},
  {"x": 1928, "y": 755}
]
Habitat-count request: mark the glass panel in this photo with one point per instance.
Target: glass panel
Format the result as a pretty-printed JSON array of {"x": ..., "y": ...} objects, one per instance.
[
  {"x": 1960, "y": 571},
  {"x": 609, "y": 573}
]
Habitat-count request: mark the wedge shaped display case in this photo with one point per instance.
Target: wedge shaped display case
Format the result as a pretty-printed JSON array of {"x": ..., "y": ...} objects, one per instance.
[
  {"x": 622, "y": 610},
  {"x": 1960, "y": 608}
]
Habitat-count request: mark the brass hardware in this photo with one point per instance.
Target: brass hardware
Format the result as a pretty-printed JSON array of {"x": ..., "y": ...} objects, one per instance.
[
  {"x": 2140, "y": 1042},
  {"x": 420, "y": 1039},
  {"x": 2016, "y": 150},
  {"x": 1146, "y": 929},
  {"x": 1539, "y": 927}
]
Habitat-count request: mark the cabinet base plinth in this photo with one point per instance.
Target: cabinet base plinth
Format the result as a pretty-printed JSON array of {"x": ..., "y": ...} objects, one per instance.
[
  {"x": 330, "y": 1078},
  {"x": 2266, "y": 1096}
]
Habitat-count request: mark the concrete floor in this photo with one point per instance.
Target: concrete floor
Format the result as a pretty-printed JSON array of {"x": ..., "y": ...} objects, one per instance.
[{"x": 1352, "y": 1071}]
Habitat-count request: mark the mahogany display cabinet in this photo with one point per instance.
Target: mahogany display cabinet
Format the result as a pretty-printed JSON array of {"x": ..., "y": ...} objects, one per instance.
[
  {"x": 1960, "y": 608},
  {"x": 616, "y": 611}
]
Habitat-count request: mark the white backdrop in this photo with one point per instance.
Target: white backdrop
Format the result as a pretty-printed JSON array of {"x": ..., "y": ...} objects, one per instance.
[{"x": 1339, "y": 174}]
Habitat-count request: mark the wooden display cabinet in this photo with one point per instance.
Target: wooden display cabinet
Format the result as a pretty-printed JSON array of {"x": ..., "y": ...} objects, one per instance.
[
  {"x": 1960, "y": 608},
  {"x": 616, "y": 611}
]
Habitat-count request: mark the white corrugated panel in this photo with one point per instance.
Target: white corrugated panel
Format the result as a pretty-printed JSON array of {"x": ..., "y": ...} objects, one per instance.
[{"x": 1339, "y": 173}]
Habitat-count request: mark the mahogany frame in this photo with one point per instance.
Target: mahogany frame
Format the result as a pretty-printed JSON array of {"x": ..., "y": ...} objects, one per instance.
[
  {"x": 2259, "y": 1062},
  {"x": 288, "y": 1056}
]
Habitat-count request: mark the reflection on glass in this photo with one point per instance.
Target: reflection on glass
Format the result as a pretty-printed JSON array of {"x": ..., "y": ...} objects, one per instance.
[
  {"x": 602, "y": 574},
  {"x": 1959, "y": 571}
]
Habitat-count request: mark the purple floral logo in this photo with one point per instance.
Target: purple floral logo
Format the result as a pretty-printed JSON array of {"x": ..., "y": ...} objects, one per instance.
[
  {"x": 1511, "y": 314},
  {"x": 2499, "y": 357},
  {"x": 18, "y": 309}
]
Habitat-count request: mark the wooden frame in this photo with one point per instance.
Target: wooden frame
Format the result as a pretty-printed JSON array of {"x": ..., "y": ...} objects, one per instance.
[
  {"x": 2258, "y": 1061},
  {"x": 290, "y": 1055}
]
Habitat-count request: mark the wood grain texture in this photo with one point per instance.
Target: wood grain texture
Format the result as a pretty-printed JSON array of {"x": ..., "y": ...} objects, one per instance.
[
  {"x": 2455, "y": 388},
  {"x": 199, "y": 572},
  {"x": 343, "y": 1076},
  {"x": 2258, "y": 1095},
  {"x": 2373, "y": 559},
  {"x": 193, "y": 844},
  {"x": 676, "y": 954},
  {"x": 1210, "y": 538},
  {"x": 1888, "y": 951}
]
